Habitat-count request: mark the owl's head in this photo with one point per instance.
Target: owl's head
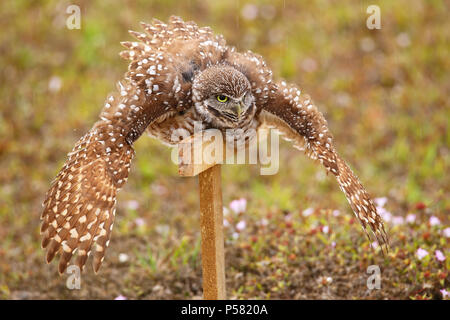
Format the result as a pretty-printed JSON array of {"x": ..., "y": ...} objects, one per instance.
[{"x": 223, "y": 97}]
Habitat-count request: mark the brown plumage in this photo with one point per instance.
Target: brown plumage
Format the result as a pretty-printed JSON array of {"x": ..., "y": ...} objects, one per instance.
[{"x": 179, "y": 73}]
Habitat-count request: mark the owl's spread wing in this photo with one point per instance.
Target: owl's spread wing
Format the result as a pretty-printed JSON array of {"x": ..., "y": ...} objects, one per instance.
[
  {"x": 79, "y": 207},
  {"x": 299, "y": 121}
]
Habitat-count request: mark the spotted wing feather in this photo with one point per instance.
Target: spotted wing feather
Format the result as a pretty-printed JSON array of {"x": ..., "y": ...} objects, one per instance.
[
  {"x": 299, "y": 120},
  {"x": 79, "y": 208}
]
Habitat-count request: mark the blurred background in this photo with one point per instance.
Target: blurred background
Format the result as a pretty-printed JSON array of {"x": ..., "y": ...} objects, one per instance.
[{"x": 289, "y": 236}]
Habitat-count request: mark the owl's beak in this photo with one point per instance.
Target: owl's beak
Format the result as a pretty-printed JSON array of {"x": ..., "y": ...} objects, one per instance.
[{"x": 237, "y": 109}]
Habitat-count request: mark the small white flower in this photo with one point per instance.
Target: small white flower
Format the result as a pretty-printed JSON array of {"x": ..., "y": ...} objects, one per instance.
[
  {"x": 309, "y": 65},
  {"x": 249, "y": 12},
  {"x": 446, "y": 232},
  {"x": 139, "y": 222},
  {"x": 123, "y": 257},
  {"x": 325, "y": 229},
  {"x": 434, "y": 221},
  {"x": 398, "y": 220},
  {"x": 336, "y": 213},
  {"x": 241, "y": 225},
  {"x": 120, "y": 297},
  {"x": 132, "y": 204},
  {"x": 238, "y": 206},
  {"x": 421, "y": 253},
  {"x": 411, "y": 218},
  {"x": 380, "y": 202},
  {"x": 439, "y": 255},
  {"x": 264, "y": 222},
  {"x": 307, "y": 212},
  {"x": 54, "y": 84},
  {"x": 226, "y": 224},
  {"x": 386, "y": 215}
]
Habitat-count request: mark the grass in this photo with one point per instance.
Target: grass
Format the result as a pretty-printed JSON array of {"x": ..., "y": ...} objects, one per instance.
[{"x": 384, "y": 93}]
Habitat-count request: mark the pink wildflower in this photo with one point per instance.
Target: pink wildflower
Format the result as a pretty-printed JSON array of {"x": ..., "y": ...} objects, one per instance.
[
  {"x": 439, "y": 255},
  {"x": 421, "y": 253},
  {"x": 238, "y": 206},
  {"x": 241, "y": 225}
]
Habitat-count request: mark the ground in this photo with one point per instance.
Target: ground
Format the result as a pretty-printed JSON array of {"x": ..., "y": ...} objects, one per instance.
[{"x": 291, "y": 235}]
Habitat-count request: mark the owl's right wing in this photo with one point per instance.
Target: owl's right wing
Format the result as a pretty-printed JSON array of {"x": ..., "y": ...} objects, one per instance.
[
  {"x": 79, "y": 207},
  {"x": 299, "y": 120}
]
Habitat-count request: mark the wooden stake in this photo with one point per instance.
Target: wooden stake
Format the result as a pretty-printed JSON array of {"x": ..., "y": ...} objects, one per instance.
[
  {"x": 191, "y": 163},
  {"x": 211, "y": 215},
  {"x": 211, "y": 222}
]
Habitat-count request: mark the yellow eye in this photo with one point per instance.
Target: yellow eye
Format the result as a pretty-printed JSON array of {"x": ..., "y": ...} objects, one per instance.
[{"x": 222, "y": 98}]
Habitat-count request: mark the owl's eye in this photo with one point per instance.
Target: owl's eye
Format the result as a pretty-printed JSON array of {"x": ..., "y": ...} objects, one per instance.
[{"x": 222, "y": 98}]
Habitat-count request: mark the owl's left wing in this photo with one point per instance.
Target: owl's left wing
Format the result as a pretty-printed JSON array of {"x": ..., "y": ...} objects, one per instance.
[{"x": 299, "y": 120}]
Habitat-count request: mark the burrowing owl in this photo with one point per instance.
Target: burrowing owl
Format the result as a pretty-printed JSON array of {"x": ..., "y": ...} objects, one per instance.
[{"x": 179, "y": 73}]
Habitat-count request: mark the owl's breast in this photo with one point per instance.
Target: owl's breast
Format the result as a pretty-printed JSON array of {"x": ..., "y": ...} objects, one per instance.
[{"x": 173, "y": 127}]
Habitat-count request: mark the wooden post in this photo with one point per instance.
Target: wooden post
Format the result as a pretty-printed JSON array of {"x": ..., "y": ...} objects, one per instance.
[
  {"x": 211, "y": 215},
  {"x": 211, "y": 209},
  {"x": 211, "y": 222}
]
